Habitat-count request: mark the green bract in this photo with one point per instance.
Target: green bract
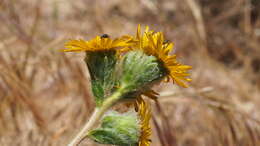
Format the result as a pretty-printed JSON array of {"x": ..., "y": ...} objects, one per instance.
[
  {"x": 118, "y": 129},
  {"x": 132, "y": 74},
  {"x": 101, "y": 66},
  {"x": 138, "y": 71}
]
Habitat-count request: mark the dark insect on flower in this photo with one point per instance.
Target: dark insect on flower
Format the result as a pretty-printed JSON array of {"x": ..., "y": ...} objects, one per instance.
[
  {"x": 166, "y": 41},
  {"x": 104, "y": 36}
]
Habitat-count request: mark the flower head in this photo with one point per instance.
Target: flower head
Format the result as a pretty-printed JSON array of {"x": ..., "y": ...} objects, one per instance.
[
  {"x": 99, "y": 43},
  {"x": 154, "y": 44},
  {"x": 101, "y": 58}
]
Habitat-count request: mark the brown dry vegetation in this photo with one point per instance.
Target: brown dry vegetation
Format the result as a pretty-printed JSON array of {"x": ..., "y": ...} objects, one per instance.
[{"x": 45, "y": 96}]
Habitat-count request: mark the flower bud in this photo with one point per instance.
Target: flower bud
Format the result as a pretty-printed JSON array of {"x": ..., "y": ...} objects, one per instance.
[{"x": 118, "y": 129}]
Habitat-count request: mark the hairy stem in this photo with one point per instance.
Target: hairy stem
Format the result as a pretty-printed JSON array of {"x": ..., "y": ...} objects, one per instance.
[{"x": 96, "y": 116}]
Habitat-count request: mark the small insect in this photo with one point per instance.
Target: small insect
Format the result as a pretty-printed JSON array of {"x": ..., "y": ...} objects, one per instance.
[
  {"x": 104, "y": 36},
  {"x": 166, "y": 41}
]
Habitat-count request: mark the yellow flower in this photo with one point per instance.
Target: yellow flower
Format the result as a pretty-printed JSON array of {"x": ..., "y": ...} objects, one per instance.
[
  {"x": 99, "y": 43},
  {"x": 144, "y": 113},
  {"x": 153, "y": 43}
]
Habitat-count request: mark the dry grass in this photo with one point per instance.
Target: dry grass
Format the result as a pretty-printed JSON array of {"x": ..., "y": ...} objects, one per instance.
[{"x": 44, "y": 94}]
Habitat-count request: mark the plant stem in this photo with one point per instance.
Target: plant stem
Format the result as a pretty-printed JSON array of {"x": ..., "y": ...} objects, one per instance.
[{"x": 96, "y": 116}]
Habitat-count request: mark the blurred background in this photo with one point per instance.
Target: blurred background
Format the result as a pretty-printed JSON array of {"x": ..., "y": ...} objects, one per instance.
[{"x": 45, "y": 94}]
